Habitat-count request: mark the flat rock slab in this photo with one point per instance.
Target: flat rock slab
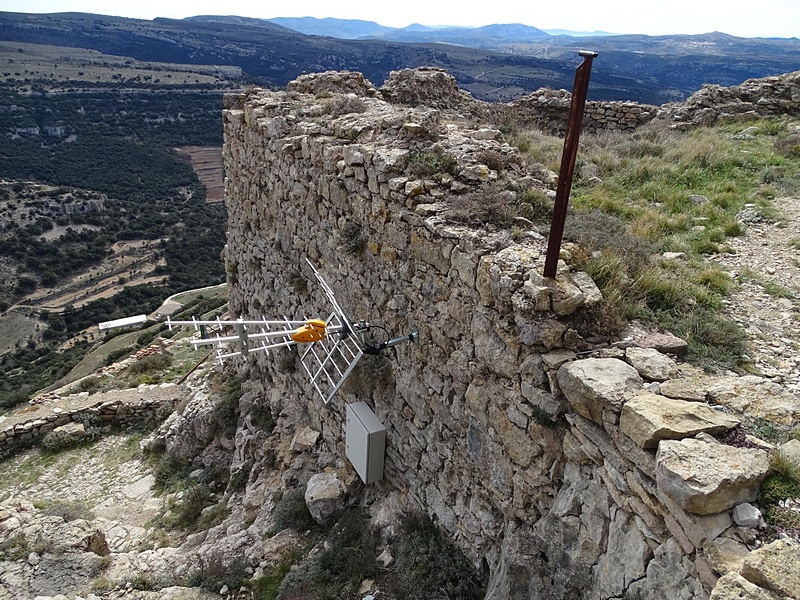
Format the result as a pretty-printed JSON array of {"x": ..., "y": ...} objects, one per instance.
[
  {"x": 683, "y": 389},
  {"x": 756, "y": 399},
  {"x": 775, "y": 567},
  {"x": 649, "y": 418},
  {"x": 706, "y": 478},
  {"x": 595, "y": 384}
]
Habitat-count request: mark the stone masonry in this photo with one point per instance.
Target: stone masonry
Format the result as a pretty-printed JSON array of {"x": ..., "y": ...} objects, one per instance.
[{"x": 558, "y": 473}]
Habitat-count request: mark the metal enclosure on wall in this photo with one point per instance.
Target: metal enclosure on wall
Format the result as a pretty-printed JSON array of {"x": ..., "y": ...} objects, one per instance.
[{"x": 365, "y": 442}]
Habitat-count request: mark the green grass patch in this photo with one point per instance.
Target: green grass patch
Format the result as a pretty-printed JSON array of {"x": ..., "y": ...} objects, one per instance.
[{"x": 669, "y": 191}]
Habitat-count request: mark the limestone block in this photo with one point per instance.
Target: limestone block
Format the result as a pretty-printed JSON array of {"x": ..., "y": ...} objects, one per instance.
[
  {"x": 594, "y": 384},
  {"x": 325, "y": 497},
  {"x": 651, "y": 364},
  {"x": 758, "y": 398},
  {"x": 708, "y": 478},
  {"x": 775, "y": 567},
  {"x": 725, "y": 555},
  {"x": 305, "y": 439},
  {"x": 648, "y": 418},
  {"x": 733, "y": 586},
  {"x": 683, "y": 389}
]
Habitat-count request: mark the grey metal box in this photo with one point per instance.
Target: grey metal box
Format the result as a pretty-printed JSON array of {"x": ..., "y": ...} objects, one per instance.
[{"x": 365, "y": 442}]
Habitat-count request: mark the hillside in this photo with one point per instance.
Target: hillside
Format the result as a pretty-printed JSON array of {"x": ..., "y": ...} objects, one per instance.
[
  {"x": 677, "y": 62},
  {"x": 272, "y": 55}
]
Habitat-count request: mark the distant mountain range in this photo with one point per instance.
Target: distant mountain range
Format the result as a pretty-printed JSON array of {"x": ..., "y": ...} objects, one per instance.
[{"x": 495, "y": 62}]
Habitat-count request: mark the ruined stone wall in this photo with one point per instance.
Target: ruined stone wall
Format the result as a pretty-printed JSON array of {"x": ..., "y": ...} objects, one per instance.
[
  {"x": 119, "y": 408},
  {"x": 753, "y": 99},
  {"x": 550, "y": 109},
  {"x": 520, "y": 451}
]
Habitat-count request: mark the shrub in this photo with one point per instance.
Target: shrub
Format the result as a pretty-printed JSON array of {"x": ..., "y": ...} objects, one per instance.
[
  {"x": 352, "y": 238},
  {"x": 225, "y": 415},
  {"x": 194, "y": 500},
  {"x": 150, "y": 364},
  {"x": 431, "y": 162},
  {"x": 429, "y": 565},
  {"x": 343, "y": 105},
  {"x": 69, "y": 511},
  {"x": 291, "y": 512},
  {"x": 336, "y": 573},
  {"x": 214, "y": 573},
  {"x": 789, "y": 146}
]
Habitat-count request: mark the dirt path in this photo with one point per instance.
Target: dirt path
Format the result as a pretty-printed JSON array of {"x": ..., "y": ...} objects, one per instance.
[{"x": 766, "y": 264}]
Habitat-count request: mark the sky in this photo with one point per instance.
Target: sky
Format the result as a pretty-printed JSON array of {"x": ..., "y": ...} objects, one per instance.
[{"x": 745, "y": 18}]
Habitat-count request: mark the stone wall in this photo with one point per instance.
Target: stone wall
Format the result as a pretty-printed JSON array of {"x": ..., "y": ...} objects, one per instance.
[
  {"x": 556, "y": 475},
  {"x": 753, "y": 99},
  {"x": 120, "y": 408},
  {"x": 550, "y": 108}
]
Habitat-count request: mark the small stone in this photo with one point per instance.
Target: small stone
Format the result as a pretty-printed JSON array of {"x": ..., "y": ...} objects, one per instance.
[{"x": 747, "y": 515}]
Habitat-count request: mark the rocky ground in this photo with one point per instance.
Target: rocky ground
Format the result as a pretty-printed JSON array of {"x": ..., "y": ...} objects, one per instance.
[{"x": 766, "y": 264}]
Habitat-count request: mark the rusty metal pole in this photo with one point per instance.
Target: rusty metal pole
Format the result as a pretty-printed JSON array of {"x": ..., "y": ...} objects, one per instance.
[{"x": 574, "y": 126}]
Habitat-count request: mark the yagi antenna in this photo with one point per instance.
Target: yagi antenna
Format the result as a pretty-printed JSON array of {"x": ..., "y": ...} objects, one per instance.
[{"x": 333, "y": 346}]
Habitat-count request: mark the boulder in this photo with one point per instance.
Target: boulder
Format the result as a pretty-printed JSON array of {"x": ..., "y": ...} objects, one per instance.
[
  {"x": 791, "y": 450},
  {"x": 324, "y": 497},
  {"x": 758, "y": 398},
  {"x": 747, "y": 515},
  {"x": 649, "y": 418},
  {"x": 775, "y": 567},
  {"x": 651, "y": 364},
  {"x": 595, "y": 384},
  {"x": 706, "y": 478}
]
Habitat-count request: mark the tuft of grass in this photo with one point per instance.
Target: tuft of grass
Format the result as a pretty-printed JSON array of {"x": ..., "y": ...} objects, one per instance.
[{"x": 785, "y": 466}]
